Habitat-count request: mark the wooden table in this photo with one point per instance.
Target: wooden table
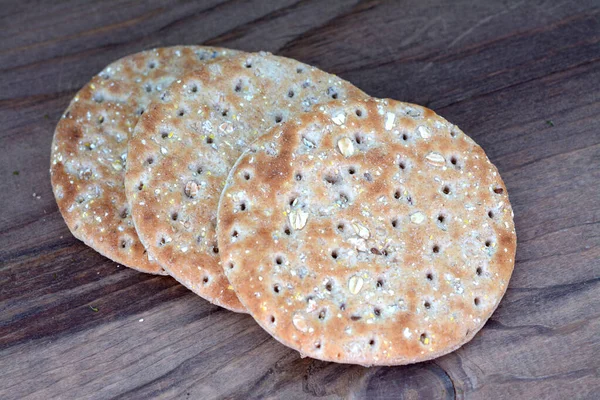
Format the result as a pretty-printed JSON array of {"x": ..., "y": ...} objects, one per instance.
[{"x": 522, "y": 78}]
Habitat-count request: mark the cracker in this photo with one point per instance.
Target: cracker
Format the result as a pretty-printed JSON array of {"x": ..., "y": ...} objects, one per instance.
[
  {"x": 183, "y": 148},
  {"x": 370, "y": 232},
  {"x": 89, "y": 149}
]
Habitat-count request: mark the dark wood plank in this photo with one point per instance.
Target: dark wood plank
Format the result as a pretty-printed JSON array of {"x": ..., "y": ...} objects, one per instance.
[{"x": 522, "y": 78}]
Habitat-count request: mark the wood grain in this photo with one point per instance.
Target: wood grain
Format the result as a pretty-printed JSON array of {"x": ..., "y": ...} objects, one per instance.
[{"x": 522, "y": 78}]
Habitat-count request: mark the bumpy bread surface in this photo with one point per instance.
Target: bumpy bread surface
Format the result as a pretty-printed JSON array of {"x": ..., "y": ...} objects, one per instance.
[
  {"x": 89, "y": 149},
  {"x": 370, "y": 232},
  {"x": 183, "y": 147}
]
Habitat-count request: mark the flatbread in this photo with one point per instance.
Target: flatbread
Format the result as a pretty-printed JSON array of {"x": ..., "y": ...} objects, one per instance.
[
  {"x": 369, "y": 232},
  {"x": 89, "y": 150},
  {"x": 183, "y": 147}
]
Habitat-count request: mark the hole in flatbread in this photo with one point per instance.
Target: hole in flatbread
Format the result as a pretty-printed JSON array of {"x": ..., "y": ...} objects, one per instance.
[
  {"x": 491, "y": 214},
  {"x": 328, "y": 286},
  {"x": 150, "y": 160},
  {"x": 174, "y": 216},
  {"x": 124, "y": 213},
  {"x": 453, "y": 160},
  {"x": 397, "y": 194},
  {"x": 140, "y": 111},
  {"x": 224, "y": 112},
  {"x": 322, "y": 314},
  {"x": 424, "y": 339},
  {"x": 209, "y": 140},
  {"x": 199, "y": 170},
  {"x": 100, "y": 119},
  {"x": 332, "y": 179},
  {"x": 476, "y": 301},
  {"x": 205, "y": 280},
  {"x": 402, "y": 164},
  {"x": 498, "y": 190},
  {"x": 429, "y": 276},
  {"x": 435, "y": 249},
  {"x": 162, "y": 241},
  {"x": 242, "y": 206},
  {"x": 372, "y": 342},
  {"x": 238, "y": 86},
  {"x": 299, "y": 70},
  {"x": 441, "y": 218},
  {"x": 395, "y": 223},
  {"x": 152, "y": 65},
  {"x": 368, "y": 176},
  {"x": 292, "y": 200},
  {"x": 379, "y": 283},
  {"x": 343, "y": 198},
  {"x": 376, "y": 251},
  {"x": 276, "y": 288},
  {"x": 453, "y": 133},
  {"x": 246, "y": 175},
  {"x": 231, "y": 265},
  {"x": 148, "y": 88},
  {"x": 358, "y": 112},
  {"x": 358, "y": 138},
  {"x": 123, "y": 244},
  {"x": 278, "y": 260},
  {"x": 290, "y": 93},
  {"x": 272, "y": 319},
  {"x": 164, "y": 135},
  {"x": 278, "y": 118},
  {"x": 355, "y": 317},
  {"x": 488, "y": 243},
  {"x": 298, "y": 176},
  {"x": 141, "y": 186},
  {"x": 332, "y": 92},
  {"x": 343, "y": 307},
  {"x": 351, "y": 170},
  {"x": 405, "y": 136},
  {"x": 181, "y": 113},
  {"x": 194, "y": 89},
  {"x": 248, "y": 64},
  {"x": 341, "y": 227},
  {"x": 427, "y": 305},
  {"x": 479, "y": 271},
  {"x": 446, "y": 189},
  {"x": 334, "y": 254},
  {"x": 235, "y": 233},
  {"x": 377, "y": 312},
  {"x": 215, "y": 249},
  {"x": 287, "y": 231}
]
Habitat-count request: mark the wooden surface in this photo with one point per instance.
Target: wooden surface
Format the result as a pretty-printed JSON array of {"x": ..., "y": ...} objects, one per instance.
[{"x": 522, "y": 78}]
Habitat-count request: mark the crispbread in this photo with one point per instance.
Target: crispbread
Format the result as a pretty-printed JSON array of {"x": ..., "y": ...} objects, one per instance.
[
  {"x": 183, "y": 147},
  {"x": 89, "y": 150},
  {"x": 369, "y": 232}
]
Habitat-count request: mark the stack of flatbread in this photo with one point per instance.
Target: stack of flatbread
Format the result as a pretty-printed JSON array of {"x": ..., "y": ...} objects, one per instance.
[{"x": 352, "y": 229}]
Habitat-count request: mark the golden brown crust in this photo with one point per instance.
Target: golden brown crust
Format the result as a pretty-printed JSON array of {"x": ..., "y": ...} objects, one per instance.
[
  {"x": 382, "y": 238},
  {"x": 89, "y": 149},
  {"x": 192, "y": 137}
]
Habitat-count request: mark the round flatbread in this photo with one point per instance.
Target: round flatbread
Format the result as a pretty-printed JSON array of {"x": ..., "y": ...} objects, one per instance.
[
  {"x": 89, "y": 150},
  {"x": 368, "y": 232},
  {"x": 183, "y": 147}
]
